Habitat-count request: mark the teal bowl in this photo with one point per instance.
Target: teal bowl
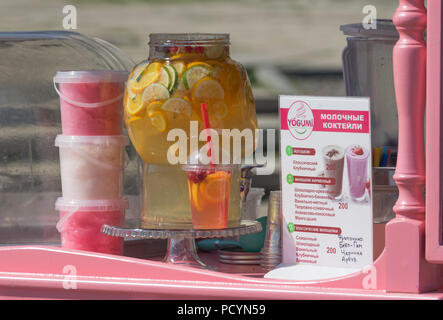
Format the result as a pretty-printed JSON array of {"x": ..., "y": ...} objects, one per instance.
[{"x": 254, "y": 242}]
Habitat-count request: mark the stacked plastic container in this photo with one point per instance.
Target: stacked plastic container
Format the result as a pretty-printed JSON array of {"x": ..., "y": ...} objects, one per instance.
[{"x": 92, "y": 158}]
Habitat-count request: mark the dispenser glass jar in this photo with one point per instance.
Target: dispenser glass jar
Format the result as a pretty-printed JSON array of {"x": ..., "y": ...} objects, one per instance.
[{"x": 165, "y": 92}]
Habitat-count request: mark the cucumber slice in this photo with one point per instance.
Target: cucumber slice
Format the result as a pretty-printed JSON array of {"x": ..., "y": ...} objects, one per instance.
[
  {"x": 174, "y": 77},
  {"x": 194, "y": 74}
]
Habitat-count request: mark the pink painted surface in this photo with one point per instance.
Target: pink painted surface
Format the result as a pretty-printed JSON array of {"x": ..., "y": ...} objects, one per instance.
[
  {"x": 47, "y": 272},
  {"x": 434, "y": 248},
  {"x": 406, "y": 267}
]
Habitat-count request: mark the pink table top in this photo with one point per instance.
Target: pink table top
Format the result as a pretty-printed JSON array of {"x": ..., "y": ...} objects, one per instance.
[{"x": 53, "y": 273}]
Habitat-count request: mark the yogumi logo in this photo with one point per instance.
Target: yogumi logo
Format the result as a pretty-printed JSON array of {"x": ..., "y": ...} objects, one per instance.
[{"x": 300, "y": 120}]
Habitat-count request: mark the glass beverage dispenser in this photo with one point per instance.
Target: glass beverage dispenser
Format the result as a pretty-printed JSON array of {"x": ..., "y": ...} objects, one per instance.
[{"x": 164, "y": 92}]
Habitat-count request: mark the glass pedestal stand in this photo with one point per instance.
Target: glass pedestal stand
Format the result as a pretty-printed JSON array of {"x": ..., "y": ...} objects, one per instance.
[{"x": 181, "y": 243}]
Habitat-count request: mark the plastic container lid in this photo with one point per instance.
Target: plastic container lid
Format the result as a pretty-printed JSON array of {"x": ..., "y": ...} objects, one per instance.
[
  {"x": 91, "y": 205},
  {"x": 68, "y": 141},
  {"x": 385, "y": 29},
  {"x": 90, "y": 76}
]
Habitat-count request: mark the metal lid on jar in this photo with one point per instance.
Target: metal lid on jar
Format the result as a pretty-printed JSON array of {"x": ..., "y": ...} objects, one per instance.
[
  {"x": 385, "y": 29},
  {"x": 183, "y": 39},
  {"x": 238, "y": 256}
]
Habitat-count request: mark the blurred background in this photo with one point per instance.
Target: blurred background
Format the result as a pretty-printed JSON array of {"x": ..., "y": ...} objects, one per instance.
[
  {"x": 288, "y": 46},
  {"x": 298, "y": 35}
]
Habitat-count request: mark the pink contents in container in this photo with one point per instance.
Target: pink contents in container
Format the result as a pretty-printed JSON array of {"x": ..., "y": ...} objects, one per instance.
[
  {"x": 91, "y": 102},
  {"x": 81, "y": 222}
]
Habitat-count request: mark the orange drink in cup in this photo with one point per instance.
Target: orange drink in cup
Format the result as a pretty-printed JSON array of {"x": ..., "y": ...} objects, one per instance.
[{"x": 209, "y": 188}]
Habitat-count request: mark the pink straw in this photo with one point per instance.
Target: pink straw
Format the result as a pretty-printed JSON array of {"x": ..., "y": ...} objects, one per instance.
[{"x": 205, "y": 117}]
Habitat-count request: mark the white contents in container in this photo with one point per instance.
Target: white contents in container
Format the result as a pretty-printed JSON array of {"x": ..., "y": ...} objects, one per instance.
[{"x": 92, "y": 166}]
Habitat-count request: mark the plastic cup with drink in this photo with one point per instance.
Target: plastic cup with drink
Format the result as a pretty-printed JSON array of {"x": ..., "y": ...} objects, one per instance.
[{"x": 209, "y": 187}]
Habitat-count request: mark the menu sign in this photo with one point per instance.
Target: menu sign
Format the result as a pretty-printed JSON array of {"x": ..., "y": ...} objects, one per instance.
[{"x": 326, "y": 178}]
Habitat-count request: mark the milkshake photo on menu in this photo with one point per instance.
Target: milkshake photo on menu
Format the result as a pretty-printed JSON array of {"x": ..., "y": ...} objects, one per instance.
[
  {"x": 333, "y": 159},
  {"x": 357, "y": 166}
]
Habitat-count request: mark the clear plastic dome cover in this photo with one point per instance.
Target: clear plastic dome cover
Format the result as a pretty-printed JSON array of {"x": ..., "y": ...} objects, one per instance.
[{"x": 30, "y": 121}]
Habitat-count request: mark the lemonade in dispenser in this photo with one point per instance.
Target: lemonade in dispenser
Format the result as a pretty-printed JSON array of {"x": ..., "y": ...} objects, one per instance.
[{"x": 163, "y": 93}]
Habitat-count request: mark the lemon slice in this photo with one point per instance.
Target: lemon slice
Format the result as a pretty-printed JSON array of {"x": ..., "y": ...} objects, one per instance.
[
  {"x": 134, "y": 105},
  {"x": 153, "y": 106},
  {"x": 199, "y": 63},
  {"x": 178, "y": 105},
  {"x": 215, "y": 188},
  {"x": 150, "y": 74},
  {"x": 155, "y": 91},
  {"x": 207, "y": 89},
  {"x": 180, "y": 67},
  {"x": 193, "y": 74},
  {"x": 158, "y": 120},
  {"x": 219, "y": 109},
  {"x": 138, "y": 71}
]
